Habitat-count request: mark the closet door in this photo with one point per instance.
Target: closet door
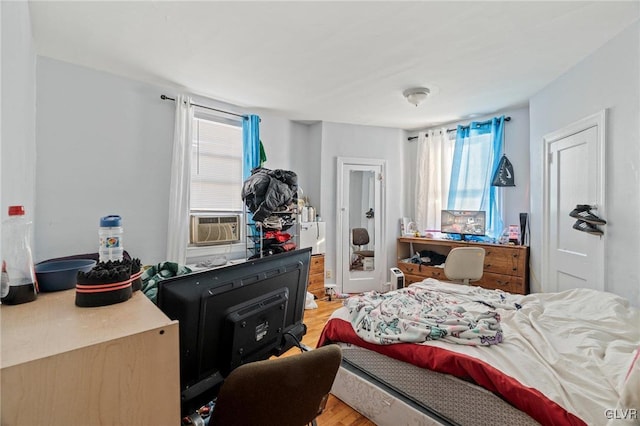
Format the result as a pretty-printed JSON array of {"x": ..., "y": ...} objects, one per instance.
[
  {"x": 361, "y": 257},
  {"x": 574, "y": 174}
]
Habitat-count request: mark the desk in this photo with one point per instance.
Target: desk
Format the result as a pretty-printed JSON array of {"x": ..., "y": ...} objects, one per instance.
[
  {"x": 506, "y": 267},
  {"x": 65, "y": 365}
]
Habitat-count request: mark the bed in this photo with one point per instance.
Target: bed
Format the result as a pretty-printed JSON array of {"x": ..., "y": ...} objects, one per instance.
[{"x": 488, "y": 357}]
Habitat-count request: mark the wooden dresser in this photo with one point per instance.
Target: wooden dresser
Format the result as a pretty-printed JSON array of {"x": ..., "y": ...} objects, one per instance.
[
  {"x": 65, "y": 365},
  {"x": 506, "y": 267},
  {"x": 316, "y": 276}
]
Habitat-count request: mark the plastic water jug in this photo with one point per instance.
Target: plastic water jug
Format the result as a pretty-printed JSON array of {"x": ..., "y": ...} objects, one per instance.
[{"x": 110, "y": 237}]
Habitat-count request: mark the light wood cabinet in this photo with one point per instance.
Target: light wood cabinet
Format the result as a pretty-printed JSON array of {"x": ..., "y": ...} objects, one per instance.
[
  {"x": 65, "y": 365},
  {"x": 316, "y": 276},
  {"x": 506, "y": 267}
]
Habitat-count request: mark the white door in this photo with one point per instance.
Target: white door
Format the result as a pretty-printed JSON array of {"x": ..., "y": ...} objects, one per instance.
[
  {"x": 575, "y": 175},
  {"x": 360, "y": 207}
]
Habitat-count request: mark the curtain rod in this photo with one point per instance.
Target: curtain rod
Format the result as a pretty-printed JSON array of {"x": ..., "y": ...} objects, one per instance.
[
  {"x": 453, "y": 130},
  {"x": 164, "y": 97}
]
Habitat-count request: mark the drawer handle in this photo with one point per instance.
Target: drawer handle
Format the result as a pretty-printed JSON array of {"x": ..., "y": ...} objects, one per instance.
[
  {"x": 488, "y": 265},
  {"x": 514, "y": 269},
  {"x": 503, "y": 283}
]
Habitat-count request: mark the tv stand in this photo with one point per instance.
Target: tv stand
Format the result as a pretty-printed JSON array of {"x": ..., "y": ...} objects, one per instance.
[{"x": 506, "y": 267}]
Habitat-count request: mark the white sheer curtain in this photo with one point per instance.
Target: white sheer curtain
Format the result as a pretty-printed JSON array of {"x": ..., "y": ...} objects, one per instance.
[
  {"x": 178, "y": 229},
  {"x": 433, "y": 174}
]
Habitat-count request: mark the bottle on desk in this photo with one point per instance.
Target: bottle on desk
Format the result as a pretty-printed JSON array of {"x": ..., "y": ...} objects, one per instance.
[
  {"x": 110, "y": 238},
  {"x": 18, "y": 281}
]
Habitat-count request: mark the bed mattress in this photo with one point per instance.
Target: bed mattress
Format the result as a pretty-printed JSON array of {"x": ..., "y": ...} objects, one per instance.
[
  {"x": 563, "y": 360},
  {"x": 391, "y": 392}
]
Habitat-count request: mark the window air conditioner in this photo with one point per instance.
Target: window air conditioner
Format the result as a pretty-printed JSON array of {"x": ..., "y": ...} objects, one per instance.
[{"x": 210, "y": 230}]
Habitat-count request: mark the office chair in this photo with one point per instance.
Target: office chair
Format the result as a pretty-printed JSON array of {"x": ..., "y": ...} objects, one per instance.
[
  {"x": 464, "y": 264},
  {"x": 287, "y": 391},
  {"x": 359, "y": 238}
]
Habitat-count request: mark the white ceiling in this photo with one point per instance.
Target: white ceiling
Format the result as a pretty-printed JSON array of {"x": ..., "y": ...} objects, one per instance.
[{"x": 336, "y": 61}]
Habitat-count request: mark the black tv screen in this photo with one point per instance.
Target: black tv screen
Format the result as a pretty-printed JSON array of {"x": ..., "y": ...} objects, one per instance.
[
  {"x": 233, "y": 315},
  {"x": 463, "y": 222}
]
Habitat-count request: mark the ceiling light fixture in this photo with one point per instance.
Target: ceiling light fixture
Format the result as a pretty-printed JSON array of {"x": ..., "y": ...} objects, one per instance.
[{"x": 416, "y": 95}]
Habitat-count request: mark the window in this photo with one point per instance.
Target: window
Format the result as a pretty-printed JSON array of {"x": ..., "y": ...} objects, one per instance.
[
  {"x": 475, "y": 158},
  {"x": 459, "y": 176},
  {"x": 216, "y": 165}
]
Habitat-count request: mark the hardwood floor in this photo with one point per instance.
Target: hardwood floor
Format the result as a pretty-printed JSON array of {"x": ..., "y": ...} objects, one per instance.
[{"x": 336, "y": 413}]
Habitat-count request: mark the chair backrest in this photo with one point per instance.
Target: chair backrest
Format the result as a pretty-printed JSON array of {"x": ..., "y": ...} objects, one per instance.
[
  {"x": 464, "y": 264},
  {"x": 360, "y": 236},
  {"x": 286, "y": 391}
]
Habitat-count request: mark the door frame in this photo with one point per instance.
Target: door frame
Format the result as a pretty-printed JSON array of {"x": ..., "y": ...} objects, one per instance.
[
  {"x": 381, "y": 253},
  {"x": 597, "y": 120}
]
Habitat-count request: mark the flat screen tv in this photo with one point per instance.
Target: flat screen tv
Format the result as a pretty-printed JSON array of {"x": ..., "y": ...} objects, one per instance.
[
  {"x": 234, "y": 315},
  {"x": 463, "y": 222}
]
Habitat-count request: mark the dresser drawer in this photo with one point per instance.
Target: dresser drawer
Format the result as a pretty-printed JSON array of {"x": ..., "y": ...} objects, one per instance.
[
  {"x": 316, "y": 285},
  {"x": 410, "y": 279},
  {"x": 317, "y": 264},
  {"x": 506, "y": 283},
  {"x": 504, "y": 260},
  {"x": 316, "y": 276},
  {"x": 422, "y": 270}
]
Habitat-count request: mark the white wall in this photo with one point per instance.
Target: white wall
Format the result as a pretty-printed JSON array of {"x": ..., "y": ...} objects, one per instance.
[
  {"x": 277, "y": 134},
  {"x": 607, "y": 79},
  {"x": 104, "y": 147},
  {"x": 305, "y": 156},
  {"x": 18, "y": 168},
  {"x": 346, "y": 140},
  {"x": 516, "y": 147}
]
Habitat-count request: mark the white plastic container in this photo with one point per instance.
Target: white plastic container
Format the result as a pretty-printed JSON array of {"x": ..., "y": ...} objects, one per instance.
[
  {"x": 367, "y": 264},
  {"x": 18, "y": 276},
  {"x": 110, "y": 238}
]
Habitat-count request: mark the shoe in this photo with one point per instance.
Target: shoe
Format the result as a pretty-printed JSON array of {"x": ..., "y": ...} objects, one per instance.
[
  {"x": 583, "y": 212},
  {"x": 583, "y": 226}
]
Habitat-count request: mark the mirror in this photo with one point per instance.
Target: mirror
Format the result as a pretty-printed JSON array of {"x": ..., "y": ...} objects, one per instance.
[
  {"x": 361, "y": 220},
  {"x": 361, "y": 257}
]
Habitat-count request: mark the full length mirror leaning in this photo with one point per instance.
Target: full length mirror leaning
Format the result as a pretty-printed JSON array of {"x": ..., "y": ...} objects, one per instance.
[{"x": 361, "y": 220}]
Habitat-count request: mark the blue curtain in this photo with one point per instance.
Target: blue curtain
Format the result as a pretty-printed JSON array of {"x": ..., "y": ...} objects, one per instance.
[
  {"x": 476, "y": 156},
  {"x": 250, "y": 144}
]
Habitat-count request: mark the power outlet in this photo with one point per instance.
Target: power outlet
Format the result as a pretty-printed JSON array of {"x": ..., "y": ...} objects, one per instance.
[{"x": 328, "y": 274}]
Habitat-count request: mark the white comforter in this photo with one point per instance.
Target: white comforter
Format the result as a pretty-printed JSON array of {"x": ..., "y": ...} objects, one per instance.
[{"x": 574, "y": 346}]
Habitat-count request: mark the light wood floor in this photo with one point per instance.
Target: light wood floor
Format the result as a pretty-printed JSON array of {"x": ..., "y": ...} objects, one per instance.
[{"x": 336, "y": 412}]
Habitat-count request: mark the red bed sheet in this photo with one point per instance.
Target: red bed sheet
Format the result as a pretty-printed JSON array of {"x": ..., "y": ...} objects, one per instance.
[{"x": 526, "y": 399}]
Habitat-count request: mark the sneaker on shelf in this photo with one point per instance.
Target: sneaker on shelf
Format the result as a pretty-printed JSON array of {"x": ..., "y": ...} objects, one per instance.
[
  {"x": 583, "y": 212},
  {"x": 583, "y": 226}
]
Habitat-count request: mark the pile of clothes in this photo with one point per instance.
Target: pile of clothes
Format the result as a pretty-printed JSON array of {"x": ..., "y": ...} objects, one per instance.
[
  {"x": 272, "y": 197},
  {"x": 267, "y": 191}
]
